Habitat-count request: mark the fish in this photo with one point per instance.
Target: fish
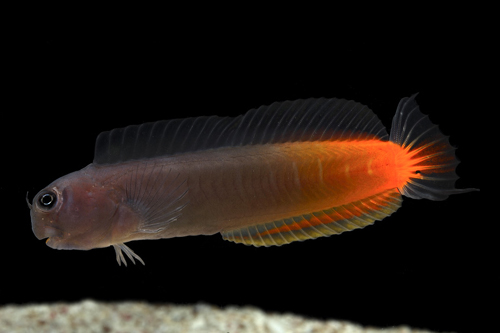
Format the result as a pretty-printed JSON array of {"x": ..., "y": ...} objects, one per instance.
[{"x": 289, "y": 171}]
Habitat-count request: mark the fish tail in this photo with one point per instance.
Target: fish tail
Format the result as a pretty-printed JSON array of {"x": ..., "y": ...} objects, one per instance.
[{"x": 427, "y": 161}]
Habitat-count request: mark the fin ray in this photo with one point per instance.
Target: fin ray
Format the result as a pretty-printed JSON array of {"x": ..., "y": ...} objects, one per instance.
[
  {"x": 160, "y": 200},
  {"x": 313, "y": 119},
  {"x": 319, "y": 224},
  {"x": 429, "y": 161},
  {"x": 128, "y": 251}
]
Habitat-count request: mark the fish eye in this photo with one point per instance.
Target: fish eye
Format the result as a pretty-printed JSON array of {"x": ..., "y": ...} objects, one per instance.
[{"x": 47, "y": 200}]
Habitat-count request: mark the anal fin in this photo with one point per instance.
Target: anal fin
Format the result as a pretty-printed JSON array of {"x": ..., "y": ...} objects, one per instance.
[{"x": 323, "y": 223}]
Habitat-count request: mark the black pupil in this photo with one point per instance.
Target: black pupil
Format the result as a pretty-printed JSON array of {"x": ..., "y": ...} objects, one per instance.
[{"x": 47, "y": 199}]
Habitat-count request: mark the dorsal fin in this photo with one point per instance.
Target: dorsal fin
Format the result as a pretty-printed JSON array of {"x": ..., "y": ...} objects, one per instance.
[{"x": 313, "y": 119}]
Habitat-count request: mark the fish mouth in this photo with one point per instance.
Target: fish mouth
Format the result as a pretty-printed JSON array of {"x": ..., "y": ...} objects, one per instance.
[
  {"x": 50, "y": 242},
  {"x": 54, "y": 242},
  {"x": 54, "y": 238},
  {"x": 48, "y": 232}
]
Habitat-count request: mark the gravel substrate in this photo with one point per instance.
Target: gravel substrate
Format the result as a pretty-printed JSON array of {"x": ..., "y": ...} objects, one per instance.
[{"x": 91, "y": 316}]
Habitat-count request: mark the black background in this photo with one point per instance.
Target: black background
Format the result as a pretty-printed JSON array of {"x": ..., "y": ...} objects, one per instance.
[{"x": 425, "y": 266}]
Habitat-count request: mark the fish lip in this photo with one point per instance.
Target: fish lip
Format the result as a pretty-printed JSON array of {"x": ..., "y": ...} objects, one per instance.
[
  {"x": 56, "y": 238},
  {"x": 50, "y": 242},
  {"x": 57, "y": 243},
  {"x": 46, "y": 232}
]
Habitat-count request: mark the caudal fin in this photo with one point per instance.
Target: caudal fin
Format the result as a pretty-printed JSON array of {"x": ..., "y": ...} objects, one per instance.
[{"x": 429, "y": 162}]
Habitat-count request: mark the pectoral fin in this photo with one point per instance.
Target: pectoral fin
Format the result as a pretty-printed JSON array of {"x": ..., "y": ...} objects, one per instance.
[{"x": 157, "y": 194}]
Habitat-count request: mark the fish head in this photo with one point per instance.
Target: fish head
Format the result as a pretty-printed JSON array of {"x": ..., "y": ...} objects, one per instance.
[{"x": 74, "y": 212}]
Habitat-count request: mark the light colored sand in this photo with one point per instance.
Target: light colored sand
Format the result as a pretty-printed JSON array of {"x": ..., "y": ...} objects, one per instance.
[{"x": 90, "y": 316}]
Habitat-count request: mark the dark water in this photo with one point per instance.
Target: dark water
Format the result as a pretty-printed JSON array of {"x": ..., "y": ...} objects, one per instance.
[{"x": 426, "y": 266}]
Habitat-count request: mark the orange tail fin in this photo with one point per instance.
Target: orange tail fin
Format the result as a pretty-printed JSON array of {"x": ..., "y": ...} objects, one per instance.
[{"x": 429, "y": 162}]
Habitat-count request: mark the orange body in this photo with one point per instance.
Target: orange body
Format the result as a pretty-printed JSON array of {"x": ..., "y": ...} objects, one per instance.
[{"x": 236, "y": 187}]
